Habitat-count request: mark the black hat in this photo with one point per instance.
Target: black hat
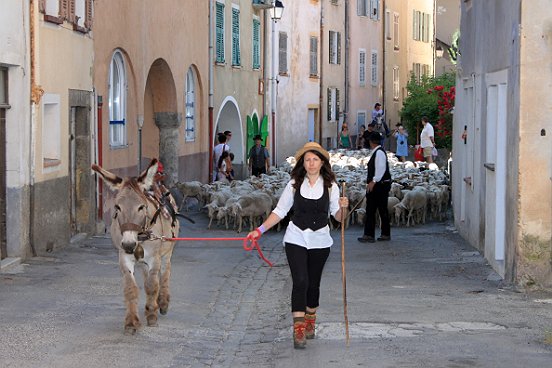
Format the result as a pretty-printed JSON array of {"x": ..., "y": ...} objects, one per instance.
[
  {"x": 258, "y": 136},
  {"x": 372, "y": 123},
  {"x": 374, "y": 137}
]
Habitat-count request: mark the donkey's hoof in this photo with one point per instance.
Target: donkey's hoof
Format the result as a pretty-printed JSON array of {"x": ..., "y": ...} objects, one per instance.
[
  {"x": 130, "y": 330},
  {"x": 152, "y": 321},
  {"x": 164, "y": 310}
]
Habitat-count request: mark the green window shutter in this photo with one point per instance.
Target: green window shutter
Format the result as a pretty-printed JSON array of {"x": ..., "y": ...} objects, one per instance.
[
  {"x": 219, "y": 24},
  {"x": 337, "y": 105},
  {"x": 338, "y": 48},
  {"x": 256, "y": 44},
  {"x": 313, "y": 56},
  {"x": 236, "y": 59}
]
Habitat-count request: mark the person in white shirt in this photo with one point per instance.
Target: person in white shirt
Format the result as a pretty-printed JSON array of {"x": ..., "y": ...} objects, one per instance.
[
  {"x": 313, "y": 195},
  {"x": 427, "y": 140},
  {"x": 217, "y": 152}
]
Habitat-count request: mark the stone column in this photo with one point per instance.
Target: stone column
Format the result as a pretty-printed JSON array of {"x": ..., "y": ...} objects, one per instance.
[{"x": 168, "y": 124}]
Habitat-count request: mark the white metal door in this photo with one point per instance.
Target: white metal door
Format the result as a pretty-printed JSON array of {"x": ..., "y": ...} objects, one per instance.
[{"x": 310, "y": 125}]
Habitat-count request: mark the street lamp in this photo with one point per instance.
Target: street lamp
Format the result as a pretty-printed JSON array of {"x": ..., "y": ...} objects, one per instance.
[
  {"x": 276, "y": 14},
  {"x": 276, "y": 11}
]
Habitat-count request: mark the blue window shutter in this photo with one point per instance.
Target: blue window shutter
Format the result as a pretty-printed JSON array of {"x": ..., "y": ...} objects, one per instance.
[
  {"x": 256, "y": 44},
  {"x": 236, "y": 59},
  {"x": 219, "y": 24}
]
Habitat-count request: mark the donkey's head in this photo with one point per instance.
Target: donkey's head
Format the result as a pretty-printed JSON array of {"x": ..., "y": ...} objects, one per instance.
[{"x": 130, "y": 209}]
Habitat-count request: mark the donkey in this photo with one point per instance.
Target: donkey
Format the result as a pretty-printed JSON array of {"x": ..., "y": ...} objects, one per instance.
[{"x": 136, "y": 229}]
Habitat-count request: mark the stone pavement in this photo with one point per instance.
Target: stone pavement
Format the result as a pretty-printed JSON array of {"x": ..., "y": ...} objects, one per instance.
[{"x": 425, "y": 299}]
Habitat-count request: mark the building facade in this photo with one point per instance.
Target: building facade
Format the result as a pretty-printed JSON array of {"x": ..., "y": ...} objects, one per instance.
[
  {"x": 15, "y": 130},
  {"x": 151, "y": 84},
  {"x": 502, "y": 149},
  {"x": 365, "y": 62}
]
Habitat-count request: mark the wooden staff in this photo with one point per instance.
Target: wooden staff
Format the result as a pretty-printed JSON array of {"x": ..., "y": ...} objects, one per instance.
[{"x": 343, "y": 275}]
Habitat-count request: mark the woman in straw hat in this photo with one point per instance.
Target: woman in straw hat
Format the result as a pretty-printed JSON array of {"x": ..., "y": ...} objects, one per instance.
[{"x": 313, "y": 195}]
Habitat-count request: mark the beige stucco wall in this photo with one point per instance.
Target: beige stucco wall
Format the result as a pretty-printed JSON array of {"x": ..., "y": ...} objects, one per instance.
[
  {"x": 238, "y": 86},
  {"x": 64, "y": 61},
  {"x": 366, "y": 34},
  {"x": 297, "y": 91},
  {"x": 146, "y": 31},
  {"x": 333, "y": 75},
  {"x": 397, "y": 58},
  {"x": 535, "y": 144}
]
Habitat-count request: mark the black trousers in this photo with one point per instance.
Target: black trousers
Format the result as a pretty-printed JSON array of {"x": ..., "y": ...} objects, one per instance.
[
  {"x": 257, "y": 171},
  {"x": 376, "y": 200},
  {"x": 306, "y": 267}
]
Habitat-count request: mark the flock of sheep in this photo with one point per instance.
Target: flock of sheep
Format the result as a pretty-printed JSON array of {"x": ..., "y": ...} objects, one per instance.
[{"x": 419, "y": 192}]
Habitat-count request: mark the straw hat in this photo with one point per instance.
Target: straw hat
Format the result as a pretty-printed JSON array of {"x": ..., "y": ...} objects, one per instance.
[{"x": 312, "y": 146}]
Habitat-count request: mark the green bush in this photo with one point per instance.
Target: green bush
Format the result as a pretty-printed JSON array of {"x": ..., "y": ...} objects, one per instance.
[{"x": 432, "y": 97}]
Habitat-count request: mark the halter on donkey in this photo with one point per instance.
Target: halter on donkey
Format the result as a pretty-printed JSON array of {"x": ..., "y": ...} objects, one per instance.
[{"x": 137, "y": 216}]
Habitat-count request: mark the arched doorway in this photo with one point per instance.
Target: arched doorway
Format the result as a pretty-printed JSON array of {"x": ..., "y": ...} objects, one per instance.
[
  {"x": 160, "y": 135},
  {"x": 229, "y": 118}
]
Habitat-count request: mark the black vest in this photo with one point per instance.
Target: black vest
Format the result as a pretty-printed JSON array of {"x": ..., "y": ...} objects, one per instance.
[
  {"x": 310, "y": 213},
  {"x": 258, "y": 159},
  {"x": 372, "y": 167}
]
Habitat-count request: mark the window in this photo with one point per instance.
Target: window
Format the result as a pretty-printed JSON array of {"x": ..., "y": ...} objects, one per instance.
[
  {"x": 362, "y": 8},
  {"x": 117, "y": 100},
  {"x": 362, "y": 68},
  {"x": 313, "y": 70},
  {"x": 76, "y": 12},
  {"x": 388, "y": 24},
  {"x": 374, "y": 9},
  {"x": 361, "y": 118},
  {"x": 282, "y": 48},
  {"x": 51, "y": 129},
  {"x": 374, "y": 59},
  {"x": 416, "y": 71},
  {"x": 256, "y": 44},
  {"x": 80, "y": 13},
  {"x": 426, "y": 70},
  {"x": 335, "y": 47},
  {"x": 421, "y": 24},
  {"x": 333, "y": 104},
  {"x": 396, "y": 83},
  {"x": 219, "y": 25},
  {"x": 190, "y": 105},
  {"x": 4, "y": 100},
  {"x": 396, "y": 31},
  {"x": 236, "y": 58},
  {"x": 334, "y": 2}
]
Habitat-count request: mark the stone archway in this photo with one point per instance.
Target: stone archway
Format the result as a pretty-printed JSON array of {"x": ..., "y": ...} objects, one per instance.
[
  {"x": 229, "y": 118},
  {"x": 161, "y": 119}
]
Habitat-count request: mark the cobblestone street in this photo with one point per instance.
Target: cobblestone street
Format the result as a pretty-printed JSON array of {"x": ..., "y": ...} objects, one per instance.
[{"x": 425, "y": 299}]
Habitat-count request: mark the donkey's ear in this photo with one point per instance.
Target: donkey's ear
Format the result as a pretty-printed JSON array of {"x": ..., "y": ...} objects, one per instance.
[
  {"x": 146, "y": 177},
  {"x": 112, "y": 180}
]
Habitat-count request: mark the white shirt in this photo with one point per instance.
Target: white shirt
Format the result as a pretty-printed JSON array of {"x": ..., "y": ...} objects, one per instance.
[
  {"x": 309, "y": 239},
  {"x": 427, "y": 132},
  {"x": 381, "y": 164},
  {"x": 217, "y": 151}
]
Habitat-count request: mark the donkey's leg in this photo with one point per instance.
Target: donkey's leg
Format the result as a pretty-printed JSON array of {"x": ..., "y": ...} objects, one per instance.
[
  {"x": 151, "y": 285},
  {"x": 164, "y": 283},
  {"x": 132, "y": 322}
]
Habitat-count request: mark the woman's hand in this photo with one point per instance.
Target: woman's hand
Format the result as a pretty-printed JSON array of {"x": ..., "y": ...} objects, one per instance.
[{"x": 254, "y": 235}]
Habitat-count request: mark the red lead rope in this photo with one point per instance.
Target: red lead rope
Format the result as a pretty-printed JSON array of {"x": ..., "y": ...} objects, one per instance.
[{"x": 248, "y": 247}]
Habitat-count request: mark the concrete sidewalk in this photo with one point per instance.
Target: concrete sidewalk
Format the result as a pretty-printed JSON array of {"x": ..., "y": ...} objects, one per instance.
[{"x": 424, "y": 299}]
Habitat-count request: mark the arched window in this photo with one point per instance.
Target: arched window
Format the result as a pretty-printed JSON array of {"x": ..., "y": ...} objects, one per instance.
[
  {"x": 117, "y": 100},
  {"x": 190, "y": 105}
]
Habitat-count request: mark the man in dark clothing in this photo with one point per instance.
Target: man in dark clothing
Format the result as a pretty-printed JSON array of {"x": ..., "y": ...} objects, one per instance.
[
  {"x": 367, "y": 133},
  {"x": 258, "y": 157},
  {"x": 377, "y": 192}
]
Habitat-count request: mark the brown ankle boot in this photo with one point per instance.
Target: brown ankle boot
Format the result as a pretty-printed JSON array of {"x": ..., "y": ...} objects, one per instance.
[
  {"x": 299, "y": 339},
  {"x": 310, "y": 320}
]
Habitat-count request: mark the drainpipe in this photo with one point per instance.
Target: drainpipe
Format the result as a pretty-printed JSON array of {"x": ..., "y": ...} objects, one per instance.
[
  {"x": 211, "y": 89},
  {"x": 100, "y": 155},
  {"x": 264, "y": 74},
  {"x": 36, "y": 95},
  {"x": 347, "y": 69},
  {"x": 321, "y": 94},
  {"x": 273, "y": 92},
  {"x": 383, "y": 90}
]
